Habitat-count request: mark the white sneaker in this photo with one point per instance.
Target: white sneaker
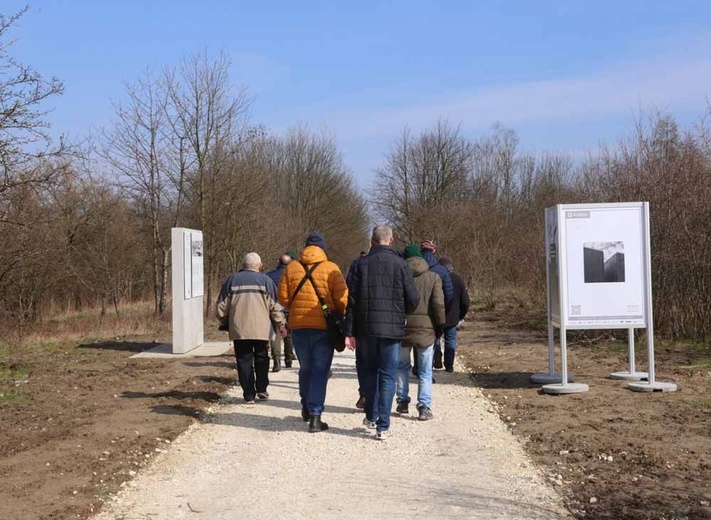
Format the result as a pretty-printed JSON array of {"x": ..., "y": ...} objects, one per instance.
[
  {"x": 371, "y": 425},
  {"x": 381, "y": 435}
]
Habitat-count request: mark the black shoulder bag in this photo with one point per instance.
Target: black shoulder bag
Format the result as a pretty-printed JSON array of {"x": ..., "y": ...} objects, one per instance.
[{"x": 334, "y": 320}]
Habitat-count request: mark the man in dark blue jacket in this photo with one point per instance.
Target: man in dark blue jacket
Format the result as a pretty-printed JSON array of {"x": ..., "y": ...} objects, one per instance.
[
  {"x": 428, "y": 250},
  {"x": 382, "y": 292},
  {"x": 455, "y": 315},
  {"x": 277, "y": 342}
]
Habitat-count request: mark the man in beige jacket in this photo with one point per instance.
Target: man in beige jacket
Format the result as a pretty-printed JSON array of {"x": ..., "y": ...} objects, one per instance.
[{"x": 248, "y": 304}]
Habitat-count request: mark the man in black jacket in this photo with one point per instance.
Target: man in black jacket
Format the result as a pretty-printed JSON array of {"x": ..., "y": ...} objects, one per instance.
[
  {"x": 381, "y": 293},
  {"x": 455, "y": 314}
]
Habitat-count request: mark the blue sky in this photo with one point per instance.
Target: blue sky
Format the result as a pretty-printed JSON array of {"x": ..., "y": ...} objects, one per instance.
[{"x": 564, "y": 74}]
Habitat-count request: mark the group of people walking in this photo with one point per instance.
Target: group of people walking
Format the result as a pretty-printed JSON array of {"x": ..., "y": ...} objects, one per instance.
[{"x": 392, "y": 303}]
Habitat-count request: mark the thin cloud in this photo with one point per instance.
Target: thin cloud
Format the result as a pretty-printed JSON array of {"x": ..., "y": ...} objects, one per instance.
[{"x": 677, "y": 85}]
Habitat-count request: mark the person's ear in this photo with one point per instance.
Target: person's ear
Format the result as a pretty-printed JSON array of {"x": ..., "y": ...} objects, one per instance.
[{"x": 390, "y": 242}]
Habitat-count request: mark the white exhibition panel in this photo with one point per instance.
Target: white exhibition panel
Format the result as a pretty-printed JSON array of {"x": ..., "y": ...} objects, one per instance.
[
  {"x": 553, "y": 264},
  {"x": 598, "y": 265},
  {"x": 187, "y": 289},
  {"x": 187, "y": 266},
  {"x": 196, "y": 251}
]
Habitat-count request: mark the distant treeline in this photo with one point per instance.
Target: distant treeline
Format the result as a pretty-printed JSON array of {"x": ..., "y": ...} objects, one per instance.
[
  {"x": 483, "y": 200},
  {"x": 90, "y": 225}
]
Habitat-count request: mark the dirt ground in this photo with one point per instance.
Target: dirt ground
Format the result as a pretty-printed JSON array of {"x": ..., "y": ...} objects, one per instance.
[
  {"x": 78, "y": 421},
  {"x": 613, "y": 453}
]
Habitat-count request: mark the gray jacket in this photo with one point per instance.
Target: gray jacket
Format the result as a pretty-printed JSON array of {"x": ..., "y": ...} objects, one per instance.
[{"x": 248, "y": 303}]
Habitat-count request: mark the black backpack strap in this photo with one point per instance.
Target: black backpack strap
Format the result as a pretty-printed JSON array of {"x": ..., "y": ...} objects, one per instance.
[{"x": 307, "y": 276}]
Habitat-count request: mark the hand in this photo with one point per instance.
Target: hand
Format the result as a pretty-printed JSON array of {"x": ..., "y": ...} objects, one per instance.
[
  {"x": 283, "y": 332},
  {"x": 439, "y": 332},
  {"x": 350, "y": 343},
  {"x": 459, "y": 324}
]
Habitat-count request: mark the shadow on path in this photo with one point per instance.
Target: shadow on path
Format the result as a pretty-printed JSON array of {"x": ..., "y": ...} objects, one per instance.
[
  {"x": 217, "y": 364},
  {"x": 244, "y": 419},
  {"x": 504, "y": 380},
  {"x": 127, "y": 346}
]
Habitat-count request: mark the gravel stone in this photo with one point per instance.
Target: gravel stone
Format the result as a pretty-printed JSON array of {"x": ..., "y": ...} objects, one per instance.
[{"x": 259, "y": 461}]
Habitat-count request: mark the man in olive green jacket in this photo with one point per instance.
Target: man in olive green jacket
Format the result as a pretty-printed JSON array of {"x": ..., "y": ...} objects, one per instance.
[{"x": 420, "y": 335}]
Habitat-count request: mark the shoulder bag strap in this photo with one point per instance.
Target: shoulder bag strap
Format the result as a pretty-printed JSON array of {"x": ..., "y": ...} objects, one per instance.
[
  {"x": 324, "y": 306},
  {"x": 307, "y": 276}
]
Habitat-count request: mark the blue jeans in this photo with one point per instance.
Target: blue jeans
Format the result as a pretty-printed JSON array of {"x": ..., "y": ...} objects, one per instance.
[
  {"x": 380, "y": 358},
  {"x": 450, "y": 346},
  {"x": 315, "y": 354},
  {"x": 424, "y": 376}
]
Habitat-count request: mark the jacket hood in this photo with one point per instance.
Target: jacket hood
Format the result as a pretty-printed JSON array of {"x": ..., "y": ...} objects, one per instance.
[
  {"x": 430, "y": 258},
  {"x": 417, "y": 265},
  {"x": 312, "y": 254}
]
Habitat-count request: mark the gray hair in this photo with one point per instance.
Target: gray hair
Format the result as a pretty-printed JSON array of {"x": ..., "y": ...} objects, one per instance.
[
  {"x": 251, "y": 261},
  {"x": 382, "y": 234}
]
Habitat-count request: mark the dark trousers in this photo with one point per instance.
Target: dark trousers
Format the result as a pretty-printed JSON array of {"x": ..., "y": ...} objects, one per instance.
[
  {"x": 289, "y": 348},
  {"x": 282, "y": 345},
  {"x": 252, "y": 358}
]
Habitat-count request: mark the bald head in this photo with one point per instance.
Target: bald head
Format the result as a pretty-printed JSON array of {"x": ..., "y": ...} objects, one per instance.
[
  {"x": 284, "y": 259},
  {"x": 382, "y": 235},
  {"x": 252, "y": 261}
]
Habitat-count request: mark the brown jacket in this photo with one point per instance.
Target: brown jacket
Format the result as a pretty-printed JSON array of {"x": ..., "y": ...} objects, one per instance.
[{"x": 430, "y": 311}]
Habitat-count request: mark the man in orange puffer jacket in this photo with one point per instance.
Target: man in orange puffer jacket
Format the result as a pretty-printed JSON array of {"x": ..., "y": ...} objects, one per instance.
[{"x": 308, "y": 324}]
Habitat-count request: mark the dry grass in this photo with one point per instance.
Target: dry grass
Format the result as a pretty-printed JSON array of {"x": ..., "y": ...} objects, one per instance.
[{"x": 133, "y": 319}]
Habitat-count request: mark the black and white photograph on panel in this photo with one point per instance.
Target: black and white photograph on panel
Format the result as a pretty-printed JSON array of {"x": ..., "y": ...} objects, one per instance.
[{"x": 604, "y": 262}]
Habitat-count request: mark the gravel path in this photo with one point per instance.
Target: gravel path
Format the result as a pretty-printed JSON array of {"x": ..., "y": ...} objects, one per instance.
[{"x": 258, "y": 461}]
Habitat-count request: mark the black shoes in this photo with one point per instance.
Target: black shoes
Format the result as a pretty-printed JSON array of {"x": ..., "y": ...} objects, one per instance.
[
  {"x": 360, "y": 404},
  {"x": 287, "y": 363},
  {"x": 425, "y": 413},
  {"x": 263, "y": 396},
  {"x": 304, "y": 414},
  {"x": 449, "y": 369},
  {"x": 277, "y": 365},
  {"x": 316, "y": 425},
  {"x": 402, "y": 407},
  {"x": 438, "y": 360}
]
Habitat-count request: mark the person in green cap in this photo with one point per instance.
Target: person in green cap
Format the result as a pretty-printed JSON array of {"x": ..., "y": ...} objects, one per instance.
[{"x": 420, "y": 335}]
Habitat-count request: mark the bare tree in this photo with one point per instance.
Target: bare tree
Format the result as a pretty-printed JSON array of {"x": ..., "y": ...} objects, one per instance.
[
  {"x": 25, "y": 144},
  {"x": 207, "y": 115},
  {"x": 421, "y": 174},
  {"x": 136, "y": 148}
]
